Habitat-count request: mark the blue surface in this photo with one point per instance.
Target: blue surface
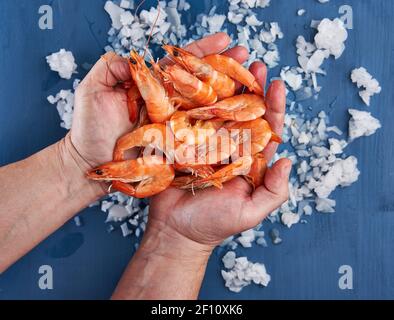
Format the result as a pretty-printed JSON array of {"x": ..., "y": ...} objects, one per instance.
[{"x": 88, "y": 261}]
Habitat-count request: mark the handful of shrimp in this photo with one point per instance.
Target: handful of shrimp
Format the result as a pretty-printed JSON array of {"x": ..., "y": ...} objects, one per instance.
[{"x": 192, "y": 130}]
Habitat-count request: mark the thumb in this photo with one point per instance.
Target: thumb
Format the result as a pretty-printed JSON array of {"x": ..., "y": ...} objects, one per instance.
[
  {"x": 272, "y": 194},
  {"x": 109, "y": 70}
]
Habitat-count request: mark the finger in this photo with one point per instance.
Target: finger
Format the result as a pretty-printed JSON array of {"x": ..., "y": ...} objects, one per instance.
[
  {"x": 271, "y": 195},
  {"x": 240, "y": 54},
  {"x": 209, "y": 45},
  {"x": 109, "y": 70},
  {"x": 259, "y": 70},
  {"x": 275, "y": 115},
  {"x": 212, "y": 44}
]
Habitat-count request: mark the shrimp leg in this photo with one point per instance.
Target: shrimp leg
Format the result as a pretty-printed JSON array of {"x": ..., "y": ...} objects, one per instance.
[{"x": 240, "y": 167}]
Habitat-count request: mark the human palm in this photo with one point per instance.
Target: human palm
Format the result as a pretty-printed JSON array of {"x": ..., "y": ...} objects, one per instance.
[{"x": 101, "y": 114}]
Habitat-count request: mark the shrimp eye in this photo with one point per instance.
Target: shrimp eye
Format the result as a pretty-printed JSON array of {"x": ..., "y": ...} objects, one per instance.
[
  {"x": 133, "y": 61},
  {"x": 176, "y": 53},
  {"x": 99, "y": 172}
]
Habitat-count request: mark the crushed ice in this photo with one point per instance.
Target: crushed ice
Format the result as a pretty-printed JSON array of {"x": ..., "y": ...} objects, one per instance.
[
  {"x": 242, "y": 272},
  {"x": 363, "y": 79},
  {"x": 63, "y": 63}
]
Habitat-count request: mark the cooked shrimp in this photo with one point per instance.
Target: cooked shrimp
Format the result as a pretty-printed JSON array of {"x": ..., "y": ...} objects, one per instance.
[
  {"x": 179, "y": 101},
  {"x": 140, "y": 178},
  {"x": 244, "y": 107},
  {"x": 234, "y": 70},
  {"x": 189, "y": 86},
  {"x": 143, "y": 118},
  {"x": 216, "y": 149},
  {"x": 257, "y": 171},
  {"x": 192, "y": 133},
  {"x": 176, "y": 98},
  {"x": 240, "y": 167},
  {"x": 256, "y": 132},
  {"x": 158, "y": 104},
  {"x": 153, "y": 135},
  {"x": 133, "y": 99},
  {"x": 222, "y": 84}
]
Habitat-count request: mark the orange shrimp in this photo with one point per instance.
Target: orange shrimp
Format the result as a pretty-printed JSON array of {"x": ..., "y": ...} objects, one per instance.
[
  {"x": 258, "y": 132},
  {"x": 189, "y": 86},
  {"x": 244, "y": 107},
  {"x": 158, "y": 104},
  {"x": 176, "y": 98},
  {"x": 191, "y": 133},
  {"x": 143, "y": 118},
  {"x": 180, "y": 101},
  {"x": 140, "y": 178},
  {"x": 235, "y": 70},
  {"x": 154, "y": 135},
  {"x": 133, "y": 99},
  {"x": 216, "y": 149},
  {"x": 257, "y": 171},
  {"x": 222, "y": 84},
  {"x": 240, "y": 167}
]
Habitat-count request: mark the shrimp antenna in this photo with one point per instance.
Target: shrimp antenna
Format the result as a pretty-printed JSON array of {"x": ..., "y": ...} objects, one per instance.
[
  {"x": 153, "y": 26},
  {"x": 184, "y": 65},
  {"x": 167, "y": 56},
  {"x": 109, "y": 70},
  {"x": 138, "y": 7},
  {"x": 149, "y": 54}
]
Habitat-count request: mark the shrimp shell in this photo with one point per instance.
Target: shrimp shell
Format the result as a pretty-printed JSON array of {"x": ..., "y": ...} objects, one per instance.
[
  {"x": 222, "y": 84},
  {"x": 158, "y": 104},
  {"x": 244, "y": 107},
  {"x": 235, "y": 70},
  {"x": 190, "y": 86},
  {"x": 140, "y": 178}
]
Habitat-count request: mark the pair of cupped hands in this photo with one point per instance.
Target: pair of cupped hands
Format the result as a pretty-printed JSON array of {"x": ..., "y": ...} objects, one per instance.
[{"x": 204, "y": 219}]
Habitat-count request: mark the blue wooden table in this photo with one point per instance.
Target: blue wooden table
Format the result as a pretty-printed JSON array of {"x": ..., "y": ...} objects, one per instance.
[{"x": 87, "y": 261}]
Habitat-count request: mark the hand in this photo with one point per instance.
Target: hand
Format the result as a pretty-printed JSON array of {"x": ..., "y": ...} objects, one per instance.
[
  {"x": 101, "y": 114},
  {"x": 212, "y": 215}
]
